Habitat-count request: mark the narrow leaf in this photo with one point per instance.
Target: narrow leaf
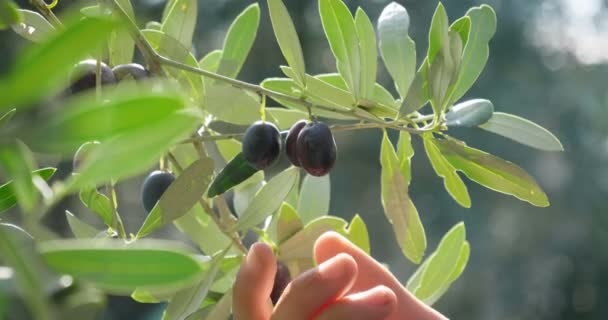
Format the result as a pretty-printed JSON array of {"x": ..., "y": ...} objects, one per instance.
[
  {"x": 418, "y": 94},
  {"x": 523, "y": 131},
  {"x": 341, "y": 33},
  {"x": 398, "y": 50},
  {"x": 189, "y": 300},
  {"x": 268, "y": 199},
  {"x": 239, "y": 40},
  {"x": 17, "y": 162},
  {"x": 180, "y": 197},
  {"x": 132, "y": 152},
  {"x": 6, "y": 118},
  {"x": 357, "y": 234},
  {"x": 34, "y": 26},
  {"x": 368, "y": 52},
  {"x": 438, "y": 34},
  {"x": 80, "y": 229},
  {"x": 99, "y": 204},
  {"x": 121, "y": 45},
  {"x": 476, "y": 51},
  {"x": 121, "y": 268},
  {"x": 231, "y": 104},
  {"x": 180, "y": 20},
  {"x": 314, "y": 197},
  {"x": 288, "y": 223},
  {"x": 451, "y": 180},
  {"x": 235, "y": 172},
  {"x": 7, "y": 192},
  {"x": 287, "y": 37},
  {"x": 398, "y": 207},
  {"x": 492, "y": 172},
  {"x": 86, "y": 119},
  {"x": 443, "y": 261},
  {"x": 300, "y": 245},
  {"x": 405, "y": 152}
]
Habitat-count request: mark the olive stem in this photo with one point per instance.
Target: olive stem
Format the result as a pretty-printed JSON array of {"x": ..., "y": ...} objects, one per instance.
[
  {"x": 42, "y": 7},
  {"x": 118, "y": 223},
  {"x": 233, "y": 236}
]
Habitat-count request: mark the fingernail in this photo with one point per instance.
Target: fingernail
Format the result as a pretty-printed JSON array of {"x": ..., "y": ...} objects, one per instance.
[{"x": 252, "y": 257}]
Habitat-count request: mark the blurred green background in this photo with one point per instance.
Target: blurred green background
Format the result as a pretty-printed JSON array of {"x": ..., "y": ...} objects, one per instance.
[{"x": 548, "y": 63}]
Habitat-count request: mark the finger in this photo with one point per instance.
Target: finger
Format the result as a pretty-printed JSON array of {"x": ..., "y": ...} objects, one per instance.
[
  {"x": 316, "y": 288},
  {"x": 251, "y": 293},
  {"x": 371, "y": 274},
  {"x": 376, "y": 303}
]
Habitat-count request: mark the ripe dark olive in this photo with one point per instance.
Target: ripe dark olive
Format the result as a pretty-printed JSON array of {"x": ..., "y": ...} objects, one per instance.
[
  {"x": 83, "y": 76},
  {"x": 82, "y": 153},
  {"x": 316, "y": 149},
  {"x": 291, "y": 141},
  {"x": 154, "y": 186},
  {"x": 281, "y": 280},
  {"x": 261, "y": 144},
  {"x": 130, "y": 71}
]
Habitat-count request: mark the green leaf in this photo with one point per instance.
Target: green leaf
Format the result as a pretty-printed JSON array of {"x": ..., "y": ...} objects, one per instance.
[
  {"x": 53, "y": 58},
  {"x": 476, "y": 51},
  {"x": 288, "y": 87},
  {"x": 189, "y": 300},
  {"x": 17, "y": 251},
  {"x": 235, "y": 172},
  {"x": 405, "y": 152},
  {"x": 210, "y": 62},
  {"x": 7, "y": 192},
  {"x": 341, "y": 33},
  {"x": 7, "y": 117},
  {"x": 239, "y": 40},
  {"x": 17, "y": 162},
  {"x": 451, "y": 180},
  {"x": 438, "y": 34},
  {"x": 80, "y": 229},
  {"x": 398, "y": 207},
  {"x": 357, "y": 234},
  {"x": 268, "y": 199},
  {"x": 462, "y": 260},
  {"x": 285, "y": 118},
  {"x": 180, "y": 197},
  {"x": 492, "y": 172},
  {"x": 440, "y": 76},
  {"x": 219, "y": 311},
  {"x": 368, "y": 52},
  {"x": 169, "y": 47},
  {"x": 133, "y": 152},
  {"x": 33, "y": 27},
  {"x": 398, "y": 50},
  {"x": 231, "y": 104},
  {"x": 331, "y": 89},
  {"x": 9, "y": 14},
  {"x": 418, "y": 94},
  {"x": 287, "y": 37},
  {"x": 314, "y": 197},
  {"x": 442, "y": 263},
  {"x": 470, "y": 113},
  {"x": 99, "y": 204},
  {"x": 523, "y": 131},
  {"x": 154, "y": 25},
  {"x": 121, "y": 45},
  {"x": 85, "y": 118},
  {"x": 300, "y": 245},
  {"x": 121, "y": 268},
  {"x": 197, "y": 226},
  {"x": 462, "y": 26},
  {"x": 179, "y": 21},
  {"x": 288, "y": 223}
]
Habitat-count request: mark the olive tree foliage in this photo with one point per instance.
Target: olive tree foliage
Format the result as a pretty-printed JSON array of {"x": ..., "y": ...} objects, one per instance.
[{"x": 167, "y": 121}]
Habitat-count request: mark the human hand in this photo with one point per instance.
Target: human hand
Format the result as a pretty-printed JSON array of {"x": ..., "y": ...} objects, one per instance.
[{"x": 346, "y": 284}]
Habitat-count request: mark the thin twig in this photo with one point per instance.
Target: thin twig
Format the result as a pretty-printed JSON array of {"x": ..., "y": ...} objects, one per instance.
[{"x": 42, "y": 7}]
